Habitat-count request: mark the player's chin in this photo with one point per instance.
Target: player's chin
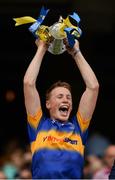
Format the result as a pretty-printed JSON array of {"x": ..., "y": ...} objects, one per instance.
[{"x": 64, "y": 118}]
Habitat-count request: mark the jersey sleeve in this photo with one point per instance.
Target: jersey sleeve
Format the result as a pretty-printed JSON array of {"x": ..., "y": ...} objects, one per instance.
[
  {"x": 83, "y": 123},
  {"x": 34, "y": 120}
]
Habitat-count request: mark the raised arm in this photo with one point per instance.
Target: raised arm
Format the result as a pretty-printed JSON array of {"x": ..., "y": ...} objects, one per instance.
[
  {"x": 88, "y": 100},
  {"x": 31, "y": 95}
]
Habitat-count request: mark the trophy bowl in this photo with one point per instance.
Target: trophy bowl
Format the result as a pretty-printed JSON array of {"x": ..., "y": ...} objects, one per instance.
[{"x": 57, "y": 46}]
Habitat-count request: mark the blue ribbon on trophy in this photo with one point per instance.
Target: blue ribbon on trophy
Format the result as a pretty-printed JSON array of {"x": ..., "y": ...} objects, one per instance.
[
  {"x": 35, "y": 26},
  {"x": 54, "y": 34}
]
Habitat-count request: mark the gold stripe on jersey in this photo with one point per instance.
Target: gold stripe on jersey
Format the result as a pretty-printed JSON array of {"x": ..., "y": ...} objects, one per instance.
[{"x": 55, "y": 140}]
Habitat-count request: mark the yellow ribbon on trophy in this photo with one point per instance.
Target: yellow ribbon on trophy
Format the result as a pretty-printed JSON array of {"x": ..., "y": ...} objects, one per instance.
[
  {"x": 66, "y": 23},
  {"x": 42, "y": 32},
  {"x": 24, "y": 20}
]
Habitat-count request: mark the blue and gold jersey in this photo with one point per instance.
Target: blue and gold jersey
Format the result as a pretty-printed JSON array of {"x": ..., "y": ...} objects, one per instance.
[{"x": 57, "y": 148}]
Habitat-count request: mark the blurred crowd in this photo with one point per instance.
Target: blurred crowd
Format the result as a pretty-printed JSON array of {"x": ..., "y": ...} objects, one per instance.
[
  {"x": 15, "y": 162},
  {"x": 99, "y": 158}
]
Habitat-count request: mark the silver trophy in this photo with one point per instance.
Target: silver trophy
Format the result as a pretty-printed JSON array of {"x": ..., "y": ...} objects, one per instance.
[{"x": 57, "y": 46}]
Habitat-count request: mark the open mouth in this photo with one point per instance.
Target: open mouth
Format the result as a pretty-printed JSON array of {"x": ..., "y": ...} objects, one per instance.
[{"x": 64, "y": 110}]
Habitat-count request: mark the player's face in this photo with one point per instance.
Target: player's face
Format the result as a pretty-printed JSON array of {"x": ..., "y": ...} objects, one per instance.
[{"x": 60, "y": 104}]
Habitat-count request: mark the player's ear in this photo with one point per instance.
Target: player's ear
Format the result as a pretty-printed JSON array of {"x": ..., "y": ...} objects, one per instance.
[{"x": 47, "y": 104}]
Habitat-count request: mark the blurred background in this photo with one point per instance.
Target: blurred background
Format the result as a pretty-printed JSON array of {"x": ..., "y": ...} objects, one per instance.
[{"x": 17, "y": 48}]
